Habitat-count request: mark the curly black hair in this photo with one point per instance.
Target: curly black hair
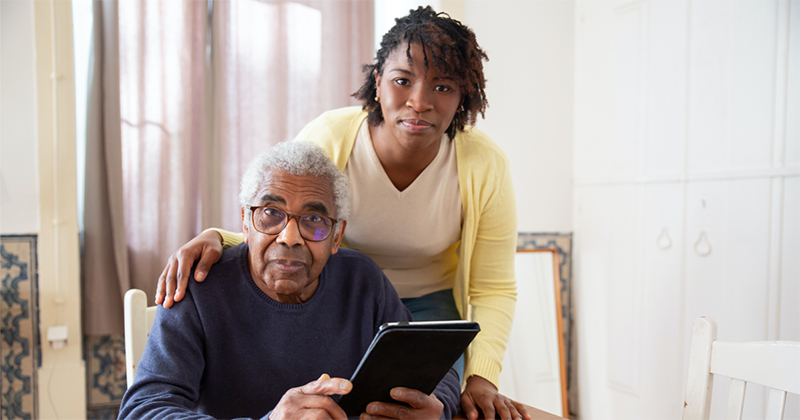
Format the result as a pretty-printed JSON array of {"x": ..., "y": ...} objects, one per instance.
[{"x": 454, "y": 51}]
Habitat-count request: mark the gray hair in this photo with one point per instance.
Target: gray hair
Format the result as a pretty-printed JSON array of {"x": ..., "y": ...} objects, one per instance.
[{"x": 298, "y": 158}]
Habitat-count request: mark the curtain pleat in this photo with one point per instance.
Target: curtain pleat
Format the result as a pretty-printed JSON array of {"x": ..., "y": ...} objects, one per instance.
[{"x": 105, "y": 268}]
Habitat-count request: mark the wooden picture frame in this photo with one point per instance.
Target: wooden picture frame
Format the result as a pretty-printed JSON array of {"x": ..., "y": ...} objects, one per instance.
[{"x": 535, "y": 367}]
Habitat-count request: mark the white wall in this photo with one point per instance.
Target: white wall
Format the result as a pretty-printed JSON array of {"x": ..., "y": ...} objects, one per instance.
[
  {"x": 19, "y": 186},
  {"x": 529, "y": 87}
]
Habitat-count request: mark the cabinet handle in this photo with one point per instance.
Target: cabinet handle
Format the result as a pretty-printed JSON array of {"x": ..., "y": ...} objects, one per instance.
[
  {"x": 702, "y": 247},
  {"x": 663, "y": 241}
]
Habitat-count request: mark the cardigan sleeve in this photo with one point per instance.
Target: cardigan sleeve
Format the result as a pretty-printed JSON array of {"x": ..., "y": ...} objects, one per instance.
[
  {"x": 229, "y": 239},
  {"x": 492, "y": 286}
]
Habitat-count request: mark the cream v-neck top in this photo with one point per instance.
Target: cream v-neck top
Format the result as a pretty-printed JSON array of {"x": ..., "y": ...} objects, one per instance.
[{"x": 413, "y": 235}]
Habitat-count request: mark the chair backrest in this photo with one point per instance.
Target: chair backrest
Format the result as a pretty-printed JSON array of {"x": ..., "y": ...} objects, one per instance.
[
  {"x": 774, "y": 364},
  {"x": 138, "y": 321}
]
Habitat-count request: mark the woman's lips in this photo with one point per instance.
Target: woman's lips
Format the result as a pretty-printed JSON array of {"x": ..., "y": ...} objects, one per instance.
[{"x": 416, "y": 126}]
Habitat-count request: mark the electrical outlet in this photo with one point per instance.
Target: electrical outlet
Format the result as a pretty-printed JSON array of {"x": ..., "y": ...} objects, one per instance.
[{"x": 57, "y": 336}]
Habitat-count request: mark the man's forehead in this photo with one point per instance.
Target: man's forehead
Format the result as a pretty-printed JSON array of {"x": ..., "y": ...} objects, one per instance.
[{"x": 284, "y": 187}]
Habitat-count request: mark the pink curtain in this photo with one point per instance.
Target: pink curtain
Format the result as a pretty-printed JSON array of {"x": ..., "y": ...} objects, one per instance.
[
  {"x": 199, "y": 95},
  {"x": 162, "y": 50},
  {"x": 278, "y": 65}
]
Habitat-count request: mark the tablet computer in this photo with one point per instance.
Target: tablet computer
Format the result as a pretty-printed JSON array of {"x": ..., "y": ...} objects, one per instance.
[{"x": 414, "y": 355}]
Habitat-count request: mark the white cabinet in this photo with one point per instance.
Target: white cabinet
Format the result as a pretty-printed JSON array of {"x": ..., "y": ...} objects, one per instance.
[{"x": 687, "y": 192}]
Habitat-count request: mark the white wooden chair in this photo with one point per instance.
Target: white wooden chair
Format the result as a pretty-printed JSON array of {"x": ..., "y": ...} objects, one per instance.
[
  {"x": 138, "y": 321},
  {"x": 774, "y": 364}
]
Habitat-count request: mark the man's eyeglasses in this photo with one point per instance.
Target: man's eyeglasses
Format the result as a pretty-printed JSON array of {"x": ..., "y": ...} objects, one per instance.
[{"x": 271, "y": 221}]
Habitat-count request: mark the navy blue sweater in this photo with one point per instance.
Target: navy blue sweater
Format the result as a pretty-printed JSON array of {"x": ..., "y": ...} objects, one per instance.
[{"x": 227, "y": 350}]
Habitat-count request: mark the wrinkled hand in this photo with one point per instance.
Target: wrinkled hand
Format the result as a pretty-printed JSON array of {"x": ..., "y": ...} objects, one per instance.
[
  {"x": 423, "y": 406},
  {"x": 480, "y": 393},
  {"x": 206, "y": 247},
  {"x": 313, "y": 401}
]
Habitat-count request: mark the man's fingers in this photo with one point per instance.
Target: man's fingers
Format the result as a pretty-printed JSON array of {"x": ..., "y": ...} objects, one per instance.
[
  {"x": 422, "y": 406},
  {"x": 326, "y": 385},
  {"x": 323, "y": 404},
  {"x": 414, "y": 398},
  {"x": 377, "y": 410}
]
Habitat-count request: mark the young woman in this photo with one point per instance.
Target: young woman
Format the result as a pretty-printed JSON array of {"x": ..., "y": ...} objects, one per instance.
[{"x": 433, "y": 202}]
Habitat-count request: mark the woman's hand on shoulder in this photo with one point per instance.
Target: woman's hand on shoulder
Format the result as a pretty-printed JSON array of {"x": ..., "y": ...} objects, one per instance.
[
  {"x": 482, "y": 394},
  {"x": 205, "y": 247}
]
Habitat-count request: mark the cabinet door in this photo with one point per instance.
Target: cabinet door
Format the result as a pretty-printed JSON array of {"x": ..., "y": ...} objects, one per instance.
[
  {"x": 732, "y": 85},
  {"x": 727, "y": 268},
  {"x": 662, "y": 243},
  {"x": 608, "y": 299}
]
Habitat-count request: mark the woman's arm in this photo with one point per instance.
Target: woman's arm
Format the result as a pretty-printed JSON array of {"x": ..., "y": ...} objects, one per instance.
[
  {"x": 205, "y": 249},
  {"x": 492, "y": 292}
]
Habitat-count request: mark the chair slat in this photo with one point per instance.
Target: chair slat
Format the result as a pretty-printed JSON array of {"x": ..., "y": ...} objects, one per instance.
[
  {"x": 138, "y": 321},
  {"x": 772, "y": 364},
  {"x": 736, "y": 400},
  {"x": 776, "y": 403}
]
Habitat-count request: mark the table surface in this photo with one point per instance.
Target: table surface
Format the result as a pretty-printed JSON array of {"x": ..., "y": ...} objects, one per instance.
[{"x": 535, "y": 413}]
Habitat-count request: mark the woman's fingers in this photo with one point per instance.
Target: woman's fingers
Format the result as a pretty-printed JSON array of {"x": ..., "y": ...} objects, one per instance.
[
  {"x": 169, "y": 282},
  {"x": 468, "y": 405}
]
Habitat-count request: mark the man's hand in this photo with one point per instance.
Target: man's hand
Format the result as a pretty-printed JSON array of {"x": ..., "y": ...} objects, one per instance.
[
  {"x": 206, "y": 247},
  {"x": 480, "y": 393},
  {"x": 313, "y": 401},
  {"x": 422, "y": 406}
]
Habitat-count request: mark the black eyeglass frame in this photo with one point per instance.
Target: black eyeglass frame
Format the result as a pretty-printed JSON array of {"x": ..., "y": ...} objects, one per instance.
[{"x": 297, "y": 217}]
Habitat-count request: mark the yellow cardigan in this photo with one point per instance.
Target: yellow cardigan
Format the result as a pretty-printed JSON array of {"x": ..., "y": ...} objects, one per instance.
[{"x": 484, "y": 277}]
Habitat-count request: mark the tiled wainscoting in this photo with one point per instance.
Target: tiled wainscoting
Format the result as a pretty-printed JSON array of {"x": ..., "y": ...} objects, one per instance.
[
  {"x": 21, "y": 344},
  {"x": 19, "y": 325},
  {"x": 562, "y": 244},
  {"x": 105, "y": 374}
]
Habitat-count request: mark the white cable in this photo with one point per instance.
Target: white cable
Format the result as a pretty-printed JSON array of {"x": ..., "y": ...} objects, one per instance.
[
  {"x": 54, "y": 76},
  {"x": 59, "y": 301}
]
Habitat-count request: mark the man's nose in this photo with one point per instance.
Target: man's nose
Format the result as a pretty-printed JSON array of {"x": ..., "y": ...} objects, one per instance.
[
  {"x": 420, "y": 100},
  {"x": 290, "y": 235}
]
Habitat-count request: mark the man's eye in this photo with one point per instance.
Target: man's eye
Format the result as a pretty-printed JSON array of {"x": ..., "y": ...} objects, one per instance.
[
  {"x": 273, "y": 213},
  {"x": 313, "y": 218}
]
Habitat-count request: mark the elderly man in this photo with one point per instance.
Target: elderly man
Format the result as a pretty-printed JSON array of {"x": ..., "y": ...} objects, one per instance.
[{"x": 289, "y": 317}]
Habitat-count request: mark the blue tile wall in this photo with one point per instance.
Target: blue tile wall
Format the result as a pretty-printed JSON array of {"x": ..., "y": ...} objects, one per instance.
[{"x": 19, "y": 327}]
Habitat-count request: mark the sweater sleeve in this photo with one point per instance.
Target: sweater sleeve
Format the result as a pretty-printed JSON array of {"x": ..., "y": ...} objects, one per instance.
[
  {"x": 492, "y": 284},
  {"x": 168, "y": 377}
]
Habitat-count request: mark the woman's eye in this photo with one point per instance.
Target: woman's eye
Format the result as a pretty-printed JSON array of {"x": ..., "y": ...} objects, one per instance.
[
  {"x": 402, "y": 82},
  {"x": 442, "y": 88}
]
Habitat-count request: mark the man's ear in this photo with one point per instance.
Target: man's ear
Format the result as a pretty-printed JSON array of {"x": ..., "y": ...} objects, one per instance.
[
  {"x": 244, "y": 228},
  {"x": 337, "y": 238}
]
